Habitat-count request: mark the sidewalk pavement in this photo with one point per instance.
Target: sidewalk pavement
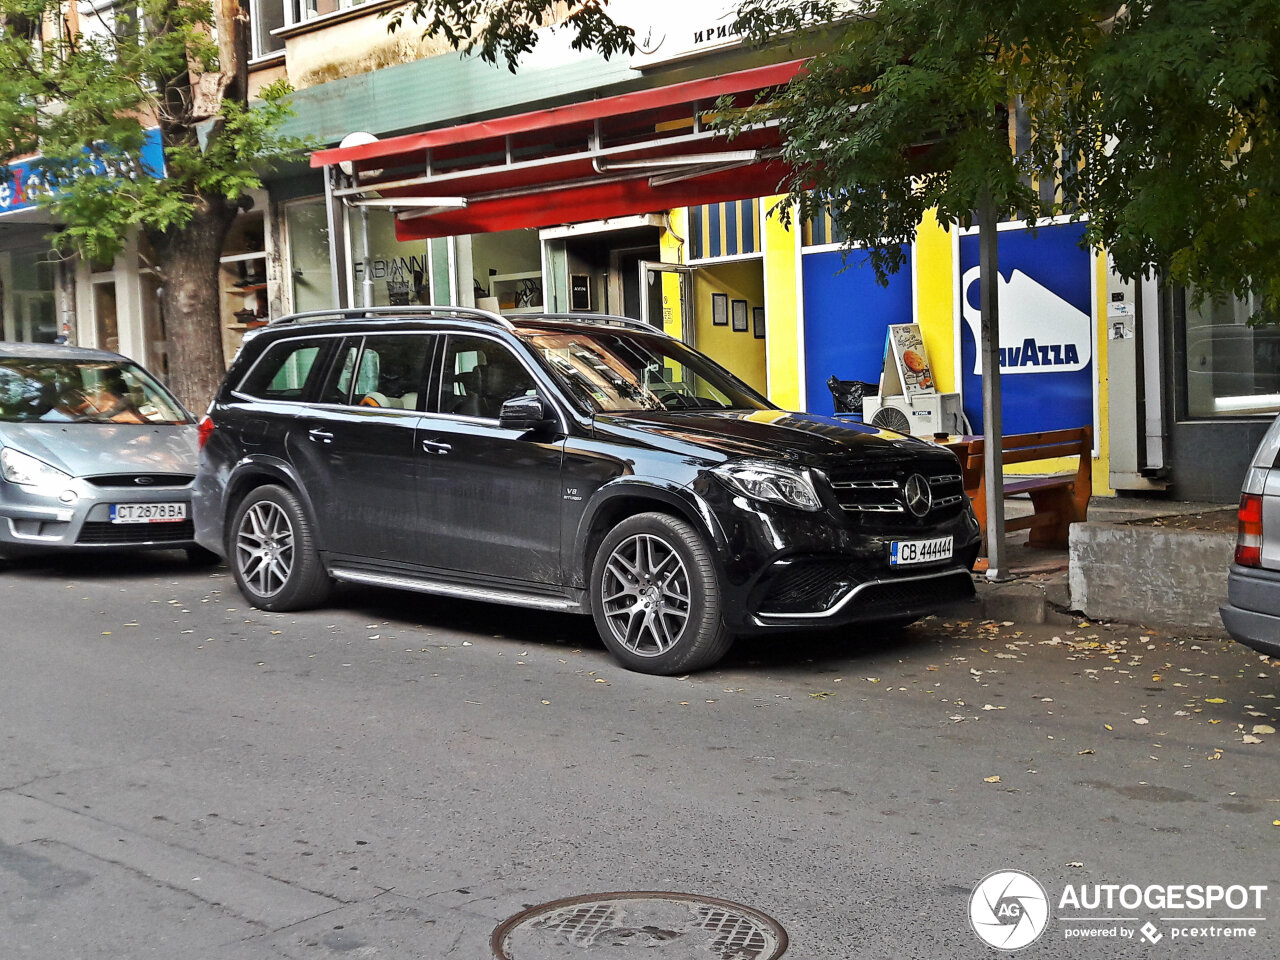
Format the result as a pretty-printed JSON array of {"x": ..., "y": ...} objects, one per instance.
[{"x": 1038, "y": 584}]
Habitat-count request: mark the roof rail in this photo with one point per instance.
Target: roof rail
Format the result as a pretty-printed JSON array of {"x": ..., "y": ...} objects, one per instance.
[
  {"x": 392, "y": 313},
  {"x": 602, "y": 318}
]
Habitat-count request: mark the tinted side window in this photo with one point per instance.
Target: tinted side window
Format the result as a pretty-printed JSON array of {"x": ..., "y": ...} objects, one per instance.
[
  {"x": 285, "y": 369},
  {"x": 337, "y": 386},
  {"x": 383, "y": 371},
  {"x": 479, "y": 375}
]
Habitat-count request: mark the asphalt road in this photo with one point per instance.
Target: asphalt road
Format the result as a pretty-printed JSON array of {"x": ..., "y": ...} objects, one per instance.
[{"x": 183, "y": 776}]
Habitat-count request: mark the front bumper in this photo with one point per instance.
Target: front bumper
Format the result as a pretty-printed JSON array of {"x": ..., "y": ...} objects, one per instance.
[
  {"x": 787, "y": 569},
  {"x": 36, "y": 521},
  {"x": 1252, "y": 612}
]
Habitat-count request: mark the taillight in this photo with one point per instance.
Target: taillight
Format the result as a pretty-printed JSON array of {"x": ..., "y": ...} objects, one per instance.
[
  {"x": 204, "y": 430},
  {"x": 1249, "y": 531}
]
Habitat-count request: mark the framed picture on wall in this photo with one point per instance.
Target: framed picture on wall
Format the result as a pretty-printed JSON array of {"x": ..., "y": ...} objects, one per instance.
[
  {"x": 720, "y": 309},
  {"x": 739, "y": 316},
  {"x": 757, "y": 322}
]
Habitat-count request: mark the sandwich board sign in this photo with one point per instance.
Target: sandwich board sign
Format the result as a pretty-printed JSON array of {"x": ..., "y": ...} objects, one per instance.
[{"x": 906, "y": 371}]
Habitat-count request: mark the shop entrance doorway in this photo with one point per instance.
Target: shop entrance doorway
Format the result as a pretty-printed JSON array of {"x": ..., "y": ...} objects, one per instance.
[
  {"x": 601, "y": 268},
  {"x": 728, "y": 317},
  {"x": 716, "y": 306}
]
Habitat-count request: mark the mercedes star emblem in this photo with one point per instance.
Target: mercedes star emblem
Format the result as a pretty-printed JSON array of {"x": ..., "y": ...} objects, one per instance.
[{"x": 919, "y": 496}]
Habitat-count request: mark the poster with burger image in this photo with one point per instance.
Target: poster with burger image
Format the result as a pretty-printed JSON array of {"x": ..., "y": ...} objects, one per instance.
[{"x": 906, "y": 369}]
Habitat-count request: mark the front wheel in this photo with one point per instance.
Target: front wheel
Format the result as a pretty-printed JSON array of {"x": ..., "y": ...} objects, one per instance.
[
  {"x": 272, "y": 552},
  {"x": 655, "y": 596}
]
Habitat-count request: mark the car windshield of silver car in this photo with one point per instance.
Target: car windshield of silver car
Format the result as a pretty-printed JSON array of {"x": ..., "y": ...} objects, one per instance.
[{"x": 84, "y": 391}]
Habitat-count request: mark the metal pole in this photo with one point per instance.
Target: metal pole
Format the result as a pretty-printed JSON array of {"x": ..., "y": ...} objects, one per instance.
[
  {"x": 366, "y": 282},
  {"x": 992, "y": 421},
  {"x": 337, "y": 239}
]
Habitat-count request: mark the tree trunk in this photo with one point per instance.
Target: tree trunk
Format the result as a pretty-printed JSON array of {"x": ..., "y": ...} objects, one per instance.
[{"x": 188, "y": 259}]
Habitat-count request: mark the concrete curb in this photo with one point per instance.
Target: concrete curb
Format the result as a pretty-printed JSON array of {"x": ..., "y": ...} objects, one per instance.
[
  {"x": 1147, "y": 574},
  {"x": 1041, "y": 598}
]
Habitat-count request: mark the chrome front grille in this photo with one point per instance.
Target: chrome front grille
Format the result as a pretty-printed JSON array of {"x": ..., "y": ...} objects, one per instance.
[
  {"x": 141, "y": 480},
  {"x": 884, "y": 495}
]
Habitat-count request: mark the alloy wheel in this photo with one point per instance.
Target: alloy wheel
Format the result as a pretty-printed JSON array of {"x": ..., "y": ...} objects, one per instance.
[
  {"x": 264, "y": 548},
  {"x": 646, "y": 595}
]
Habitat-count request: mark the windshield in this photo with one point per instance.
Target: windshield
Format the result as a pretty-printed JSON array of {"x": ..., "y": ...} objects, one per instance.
[
  {"x": 48, "y": 390},
  {"x": 614, "y": 370}
]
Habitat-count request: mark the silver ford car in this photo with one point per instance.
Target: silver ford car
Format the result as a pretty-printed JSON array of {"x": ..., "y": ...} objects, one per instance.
[{"x": 94, "y": 454}]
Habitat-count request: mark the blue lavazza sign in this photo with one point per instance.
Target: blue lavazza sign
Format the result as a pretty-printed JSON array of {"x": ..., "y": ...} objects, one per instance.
[
  {"x": 26, "y": 181},
  {"x": 1046, "y": 329}
]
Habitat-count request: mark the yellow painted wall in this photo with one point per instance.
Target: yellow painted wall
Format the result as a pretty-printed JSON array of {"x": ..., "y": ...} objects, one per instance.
[
  {"x": 740, "y": 352},
  {"x": 1102, "y": 463},
  {"x": 782, "y": 316},
  {"x": 936, "y": 290},
  {"x": 671, "y": 250}
]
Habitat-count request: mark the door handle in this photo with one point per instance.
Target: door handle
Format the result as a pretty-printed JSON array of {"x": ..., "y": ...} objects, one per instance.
[
  {"x": 320, "y": 436},
  {"x": 433, "y": 446}
]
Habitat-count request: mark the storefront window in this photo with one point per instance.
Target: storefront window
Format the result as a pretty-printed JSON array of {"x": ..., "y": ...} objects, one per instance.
[
  {"x": 506, "y": 270},
  {"x": 27, "y": 279},
  {"x": 1232, "y": 369},
  {"x": 105, "y": 316},
  {"x": 400, "y": 272},
  {"x": 308, "y": 239}
]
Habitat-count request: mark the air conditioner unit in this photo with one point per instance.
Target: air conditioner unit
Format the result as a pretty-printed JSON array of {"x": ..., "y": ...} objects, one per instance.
[{"x": 921, "y": 416}]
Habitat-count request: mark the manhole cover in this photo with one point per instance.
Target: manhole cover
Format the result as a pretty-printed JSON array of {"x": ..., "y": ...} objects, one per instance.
[{"x": 636, "y": 924}]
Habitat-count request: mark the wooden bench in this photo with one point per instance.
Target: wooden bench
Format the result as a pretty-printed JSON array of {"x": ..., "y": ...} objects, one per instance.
[{"x": 1057, "y": 501}]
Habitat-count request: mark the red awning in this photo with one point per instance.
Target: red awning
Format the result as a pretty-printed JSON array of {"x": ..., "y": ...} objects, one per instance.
[{"x": 635, "y": 153}]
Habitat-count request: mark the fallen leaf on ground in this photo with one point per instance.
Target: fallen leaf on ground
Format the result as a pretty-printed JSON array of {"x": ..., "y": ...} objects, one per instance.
[
  {"x": 1141, "y": 720},
  {"x": 990, "y": 779},
  {"x": 1263, "y": 728}
]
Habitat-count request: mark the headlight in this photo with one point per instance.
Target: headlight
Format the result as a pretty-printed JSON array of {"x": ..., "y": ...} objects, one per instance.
[
  {"x": 770, "y": 482},
  {"x": 19, "y": 468}
]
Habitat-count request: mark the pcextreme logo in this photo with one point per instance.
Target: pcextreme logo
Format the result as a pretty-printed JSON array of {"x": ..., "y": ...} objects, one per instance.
[{"x": 1009, "y": 909}]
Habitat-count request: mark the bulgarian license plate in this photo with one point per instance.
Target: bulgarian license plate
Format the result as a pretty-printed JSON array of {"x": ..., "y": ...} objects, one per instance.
[
  {"x": 148, "y": 512},
  {"x": 903, "y": 552}
]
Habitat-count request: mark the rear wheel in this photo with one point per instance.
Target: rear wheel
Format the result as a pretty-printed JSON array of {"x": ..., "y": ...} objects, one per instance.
[
  {"x": 272, "y": 552},
  {"x": 655, "y": 596}
]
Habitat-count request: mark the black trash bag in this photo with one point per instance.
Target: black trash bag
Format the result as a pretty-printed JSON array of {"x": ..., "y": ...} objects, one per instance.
[{"x": 847, "y": 394}]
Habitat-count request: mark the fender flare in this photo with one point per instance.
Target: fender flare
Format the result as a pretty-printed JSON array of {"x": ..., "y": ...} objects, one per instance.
[
  {"x": 278, "y": 471},
  {"x": 681, "y": 500}
]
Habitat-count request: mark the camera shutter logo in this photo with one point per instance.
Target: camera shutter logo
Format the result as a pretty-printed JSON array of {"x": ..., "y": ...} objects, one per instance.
[{"x": 1009, "y": 910}]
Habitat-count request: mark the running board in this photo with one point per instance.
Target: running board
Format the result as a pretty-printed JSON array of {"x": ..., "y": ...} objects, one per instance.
[{"x": 461, "y": 591}]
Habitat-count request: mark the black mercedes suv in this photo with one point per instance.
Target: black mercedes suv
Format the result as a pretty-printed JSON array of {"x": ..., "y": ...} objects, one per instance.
[{"x": 567, "y": 462}]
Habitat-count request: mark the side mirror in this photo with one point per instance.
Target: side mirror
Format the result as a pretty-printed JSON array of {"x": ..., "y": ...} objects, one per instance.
[{"x": 525, "y": 413}]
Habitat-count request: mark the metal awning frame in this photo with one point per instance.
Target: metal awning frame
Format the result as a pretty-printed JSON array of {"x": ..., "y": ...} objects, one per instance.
[{"x": 622, "y": 157}]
